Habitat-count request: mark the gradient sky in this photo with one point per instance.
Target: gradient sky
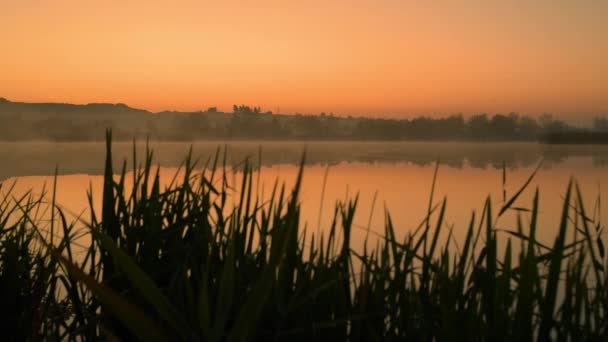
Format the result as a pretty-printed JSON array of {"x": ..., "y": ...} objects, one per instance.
[{"x": 384, "y": 57}]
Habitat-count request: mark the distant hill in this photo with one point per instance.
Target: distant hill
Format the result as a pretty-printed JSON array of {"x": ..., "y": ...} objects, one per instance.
[{"x": 71, "y": 122}]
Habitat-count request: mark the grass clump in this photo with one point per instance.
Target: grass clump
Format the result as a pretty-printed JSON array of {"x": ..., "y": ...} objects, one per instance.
[{"x": 182, "y": 263}]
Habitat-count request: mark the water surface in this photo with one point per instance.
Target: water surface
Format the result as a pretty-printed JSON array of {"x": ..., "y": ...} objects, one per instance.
[{"x": 393, "y": 178}]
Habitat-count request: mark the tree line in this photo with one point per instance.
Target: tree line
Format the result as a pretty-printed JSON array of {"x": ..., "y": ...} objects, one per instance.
[{"x": 65, "y": 122}]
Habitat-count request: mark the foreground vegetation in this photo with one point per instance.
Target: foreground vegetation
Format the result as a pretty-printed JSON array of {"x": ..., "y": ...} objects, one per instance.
[{"x": 183, "y": 263}]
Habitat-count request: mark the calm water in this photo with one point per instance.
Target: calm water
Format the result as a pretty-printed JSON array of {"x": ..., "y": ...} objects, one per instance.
[{"x": 388, "y": 177}]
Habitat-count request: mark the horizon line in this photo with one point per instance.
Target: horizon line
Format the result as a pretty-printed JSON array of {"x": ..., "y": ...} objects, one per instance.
[{"x": 368, "y": 115}]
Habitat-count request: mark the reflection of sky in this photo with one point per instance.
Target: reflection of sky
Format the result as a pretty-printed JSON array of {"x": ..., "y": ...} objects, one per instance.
[{"x": 402, "y": 189}]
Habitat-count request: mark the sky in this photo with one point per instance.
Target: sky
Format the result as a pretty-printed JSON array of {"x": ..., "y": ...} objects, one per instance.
[{"x": 395, "y": 58}]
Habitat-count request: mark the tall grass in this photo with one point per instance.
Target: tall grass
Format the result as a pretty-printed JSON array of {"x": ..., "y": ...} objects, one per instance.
[{"x": 183, "y": 263}]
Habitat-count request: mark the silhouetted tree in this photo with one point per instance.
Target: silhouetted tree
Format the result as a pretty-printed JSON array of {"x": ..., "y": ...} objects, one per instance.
[
  {"x": 478, "y": 127},
  {"x": 600, "y": 123},
  {"x": 85, "y": 122}
]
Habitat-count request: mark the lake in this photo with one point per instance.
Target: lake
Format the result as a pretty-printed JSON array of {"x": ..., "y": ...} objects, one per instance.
[{"x": 393, "y": 177}]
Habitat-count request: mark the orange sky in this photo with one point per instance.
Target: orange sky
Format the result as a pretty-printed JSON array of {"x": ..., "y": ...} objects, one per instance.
[{"x": 386, "y": 57}]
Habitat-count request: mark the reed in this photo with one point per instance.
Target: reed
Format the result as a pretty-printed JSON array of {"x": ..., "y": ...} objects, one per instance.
[{"x": 181, "y": 263}]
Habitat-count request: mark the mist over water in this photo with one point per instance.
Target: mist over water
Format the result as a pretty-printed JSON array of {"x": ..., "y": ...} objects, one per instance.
[
  {"x": 394, "y": 178},
  {"x": 41, "y": 158}
]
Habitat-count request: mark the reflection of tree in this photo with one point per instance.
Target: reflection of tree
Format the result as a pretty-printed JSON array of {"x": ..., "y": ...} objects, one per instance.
[
  {"x": 41, "y": 158},
  {"x": 600, "y": 161},
  {"x": 513, "y": 156}
]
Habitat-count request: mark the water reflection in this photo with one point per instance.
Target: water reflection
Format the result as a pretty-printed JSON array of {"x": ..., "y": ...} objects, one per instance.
[
  {"x": 399, "y": 188},
  {"x": 41, "y": 158},
  {"x": 397, "y": 175}
]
